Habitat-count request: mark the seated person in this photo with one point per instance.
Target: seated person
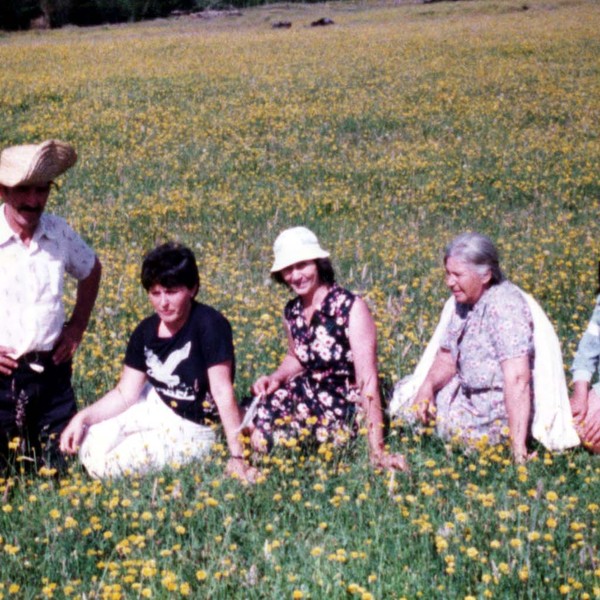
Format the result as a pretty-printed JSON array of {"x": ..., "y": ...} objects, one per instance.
[
  {"x": 585, "y": 401},
  {"x": 329, "y": 373},
  {"x": 176, "y": 381},
  {"x": 476, "y": 379}
]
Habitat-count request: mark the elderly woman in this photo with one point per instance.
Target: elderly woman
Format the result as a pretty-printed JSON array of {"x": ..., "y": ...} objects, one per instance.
[
  {"x": 329, "y": 373},
  {"x": 478, "y": 386},
  {"x": 177, "y": 381}
]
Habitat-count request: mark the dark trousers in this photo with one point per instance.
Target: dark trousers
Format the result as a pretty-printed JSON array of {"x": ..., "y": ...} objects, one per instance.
[{"x": 35, "y": 407}]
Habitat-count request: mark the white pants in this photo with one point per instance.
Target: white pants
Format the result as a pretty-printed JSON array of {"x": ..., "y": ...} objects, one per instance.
[{"x": 146, "y": 437}]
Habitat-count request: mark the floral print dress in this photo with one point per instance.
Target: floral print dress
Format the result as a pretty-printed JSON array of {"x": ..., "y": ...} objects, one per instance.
[
  {"x": 320, "y": 402},
  {"x": 480, "y": 337}
]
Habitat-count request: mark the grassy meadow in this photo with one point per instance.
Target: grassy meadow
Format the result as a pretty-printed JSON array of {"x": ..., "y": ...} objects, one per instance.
[{"x": 387, "y": 134}]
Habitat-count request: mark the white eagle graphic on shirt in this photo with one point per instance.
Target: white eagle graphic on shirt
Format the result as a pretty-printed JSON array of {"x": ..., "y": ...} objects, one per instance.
[{"x": 163, "y": 371}]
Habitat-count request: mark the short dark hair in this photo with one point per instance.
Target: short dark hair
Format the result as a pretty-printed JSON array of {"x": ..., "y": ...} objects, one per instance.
[
  {"x": 324, "y": 269},
  {"x": 170, "y": 265}
]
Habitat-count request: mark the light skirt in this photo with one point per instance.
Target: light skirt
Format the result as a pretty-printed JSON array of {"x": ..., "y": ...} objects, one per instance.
[{"x": 146, "y": 437}]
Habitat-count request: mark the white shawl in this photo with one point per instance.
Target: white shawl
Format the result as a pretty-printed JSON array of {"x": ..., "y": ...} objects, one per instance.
[{"x": 552, "y": 423}]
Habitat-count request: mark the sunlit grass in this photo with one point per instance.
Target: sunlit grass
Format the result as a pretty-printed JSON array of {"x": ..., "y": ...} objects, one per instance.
[{"x": 387, "y": 134}]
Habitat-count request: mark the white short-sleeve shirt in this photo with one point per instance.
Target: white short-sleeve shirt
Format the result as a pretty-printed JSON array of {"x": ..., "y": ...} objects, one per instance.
[{"x": 31, "y": 282}]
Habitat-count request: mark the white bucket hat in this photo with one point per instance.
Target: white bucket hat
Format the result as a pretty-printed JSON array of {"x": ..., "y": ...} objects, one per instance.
[
  {"x": 35, "y": 164},
  {"x": 295, "y": 245}
]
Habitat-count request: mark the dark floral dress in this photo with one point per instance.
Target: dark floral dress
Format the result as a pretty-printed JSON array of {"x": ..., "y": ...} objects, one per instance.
[{"x": 319, "y": 403}]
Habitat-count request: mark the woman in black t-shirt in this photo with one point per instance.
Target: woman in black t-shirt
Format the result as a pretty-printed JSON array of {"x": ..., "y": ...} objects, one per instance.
[{"x": 177, "y": 381}]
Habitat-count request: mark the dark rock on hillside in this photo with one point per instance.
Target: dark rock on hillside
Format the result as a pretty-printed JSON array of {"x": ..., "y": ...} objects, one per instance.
[{"x": 322, "y": 22}]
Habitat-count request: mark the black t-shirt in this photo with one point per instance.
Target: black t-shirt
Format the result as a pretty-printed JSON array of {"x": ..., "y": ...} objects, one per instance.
[{"x": 177, "y": 366}]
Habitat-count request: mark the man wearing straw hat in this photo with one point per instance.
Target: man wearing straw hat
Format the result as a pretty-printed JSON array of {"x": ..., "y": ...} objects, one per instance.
[{"x": 36, "y": 342}]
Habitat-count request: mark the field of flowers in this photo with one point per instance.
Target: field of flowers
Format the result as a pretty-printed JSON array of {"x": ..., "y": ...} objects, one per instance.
[{"x": 387, "y": 134}]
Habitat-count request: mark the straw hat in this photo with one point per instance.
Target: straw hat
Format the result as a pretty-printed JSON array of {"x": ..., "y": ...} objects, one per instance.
[
  {"x": 295, "y": 245},
  {"x": 35, "y": 164}
]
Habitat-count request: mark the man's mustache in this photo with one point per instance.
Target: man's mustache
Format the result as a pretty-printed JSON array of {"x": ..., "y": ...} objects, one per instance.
[{"x": 30, "y": 209}]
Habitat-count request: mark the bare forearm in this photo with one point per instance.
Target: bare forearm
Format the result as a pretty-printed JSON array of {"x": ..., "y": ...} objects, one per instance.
[
  {"x": 290, "y": 367},
  {"x": 72, "y": 333},
  {"x": 87, "y": 292},
  {"x": 518, "y": 406},
  {"x": 441, "y": 372},
  {"x": 221, "y": 387},
  {"x": 373, "y": 410},
  {"x": 125, "y": 394},
  {"x": 231, "y": 420},
  {"x": 579, "y": 400},
  {"x": 267, "y": 384},
  {"x": 371, "y": 402},
  {"x": 517, "y": 399},
  {"x": 113, "y": 403}
]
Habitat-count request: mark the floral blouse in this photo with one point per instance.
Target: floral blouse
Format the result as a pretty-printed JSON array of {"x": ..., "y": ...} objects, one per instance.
[
  {"x": 480, "y": 337},
  {"x": 323, "y": 346}
]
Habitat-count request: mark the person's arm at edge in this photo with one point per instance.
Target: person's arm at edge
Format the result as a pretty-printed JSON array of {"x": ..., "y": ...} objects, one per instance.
[
  {"x": 72, "y": 333},
  {"x": 585, "y": 364},
  {"x": 591, "y": 431},
  {"x": 362, "y": 335},
  {"x": 517, "y": 397},
  {"x": 579, "y": 400},
  {"x": 290, "y": 367},
  {"x": 221, "y": 387},
  {"x": 440, "y": 373}
]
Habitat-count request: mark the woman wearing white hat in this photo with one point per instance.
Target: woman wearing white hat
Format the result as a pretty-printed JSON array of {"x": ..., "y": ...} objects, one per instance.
[{"x": 328, "y": 377}]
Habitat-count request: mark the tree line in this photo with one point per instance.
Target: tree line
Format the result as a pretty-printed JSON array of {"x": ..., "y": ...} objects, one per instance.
[{"x": 22, "y": 14}]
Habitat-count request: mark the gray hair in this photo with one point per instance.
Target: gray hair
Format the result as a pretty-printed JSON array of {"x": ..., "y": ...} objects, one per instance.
[{"x": 479, "y": 252}]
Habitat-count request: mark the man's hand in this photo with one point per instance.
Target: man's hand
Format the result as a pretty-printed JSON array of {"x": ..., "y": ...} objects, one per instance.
[
  {"x": 67, "y": 343},
  {"x": 7, "y": 364}
]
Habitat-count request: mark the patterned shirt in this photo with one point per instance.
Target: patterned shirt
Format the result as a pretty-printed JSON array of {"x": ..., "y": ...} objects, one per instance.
[
  {"x": 32, "y": 279},
  {"x": 323, "y": 345},
  {"x": 482, "y": 336},
  {"x": 587, "y": 358}
]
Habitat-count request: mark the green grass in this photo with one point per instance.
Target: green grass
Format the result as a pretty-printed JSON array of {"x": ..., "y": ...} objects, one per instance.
[{"x": 388, "y": 133}]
